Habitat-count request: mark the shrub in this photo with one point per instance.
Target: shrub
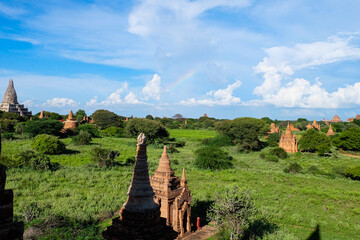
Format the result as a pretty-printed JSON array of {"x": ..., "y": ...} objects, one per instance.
[
  {"x": 84, "y": 138},
  {"x": 293, "y": 168},
  {"x": 279, "y": 152},
  {"x": 40, "y": 162},
  {"x": 104, "y": 157},
  {"x": 172, "y": 149},
  {"x": 271, "y": 158},
  {"x": 114, "y": 131},
  {"x": 262, "y": 155},
  {"x": 105, "y": 119},
  {"x": 19, "y": 128},
  {"x": 7, "y": 135},
  {"x": 246, "y": 146},
  {"x": 21, "y": 159},
  {"x": 348, "y": 140},
  {"x": 233, "y": 211},
  {"x": 353, "y": 172},
  {"x": 151, "y": 128},
  {"x": 50, "y": 127},
  {"x": 47, "y": 144},
  {"x": 7, "y": 125},
  {"x": 314, "y": 141},
  {"x": 90, "y": 128},
  {"x": 219, "y": 141},
  {"x": 212, "y": 158},
  {"x": 314, "y": 170},
  {"x": 32, "y": 212}
]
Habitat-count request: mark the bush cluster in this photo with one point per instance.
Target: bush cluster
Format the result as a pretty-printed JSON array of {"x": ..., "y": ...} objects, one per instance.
[
  {"x": 212, "y": 158},
  {"x": 293, "y": 168},
  {"x": 50, "y": 127},
  {"x": 152, "y": 129},
  {"x": 353, "y": 173},
  {"x": 83, "y": 138},
  {"x": 47, "y": 144},
  {"x": 104, "y": 157},
  {"x": 90, "y": 128},
  {"x": 315, "y": 141},
  {"x": 348, "y": 140},
  {"x": 279, "y": 152},
  {"x": 219, "y": 141}
]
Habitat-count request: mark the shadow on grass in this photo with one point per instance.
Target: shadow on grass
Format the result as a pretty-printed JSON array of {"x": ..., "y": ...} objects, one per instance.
[
  {"x": 259, "y": 228},
  {"x": 199, "y": 209},
  {"x": 71, "y": 152}
]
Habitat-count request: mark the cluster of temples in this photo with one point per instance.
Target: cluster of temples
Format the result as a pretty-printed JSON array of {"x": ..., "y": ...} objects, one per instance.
[
  {"x": 157, "y": 207},
  {"x": 10, "y": 102}
]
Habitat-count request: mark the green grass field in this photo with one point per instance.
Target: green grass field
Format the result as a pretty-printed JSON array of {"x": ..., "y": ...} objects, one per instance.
[{"x": 79, "y": 199}]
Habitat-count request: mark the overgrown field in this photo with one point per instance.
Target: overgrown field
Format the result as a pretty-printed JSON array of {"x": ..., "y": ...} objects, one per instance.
[{"x": 77, "y": 200}]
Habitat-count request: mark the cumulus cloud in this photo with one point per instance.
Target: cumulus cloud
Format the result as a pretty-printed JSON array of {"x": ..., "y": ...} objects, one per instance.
[
  {"x": 152, "y": 88},
  {"x": 282, "y": 62},
  {"x": 28, "y": 103},
  {"x": 115, "y": 98},
  {"x": 219, "y": 97},
  {"x": 60, "y": 102}
]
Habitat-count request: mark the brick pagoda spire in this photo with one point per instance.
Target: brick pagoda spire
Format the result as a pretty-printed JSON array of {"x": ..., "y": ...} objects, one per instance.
[{"x": 140, "y": 215}]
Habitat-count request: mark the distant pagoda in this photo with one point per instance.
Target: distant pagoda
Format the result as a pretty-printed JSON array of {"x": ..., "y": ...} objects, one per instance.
[{"x": 10, "y": 102}]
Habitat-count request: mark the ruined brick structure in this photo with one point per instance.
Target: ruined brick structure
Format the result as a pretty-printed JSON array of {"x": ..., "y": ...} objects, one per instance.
[
  {"x": 127, "y": 119},
  {"x": 309, "y": 126},
  {"x": 316, "y": 125},
  {"x": 330, "y": 131},
  {"x": 173, "y": 196},
  {"x": 274, "y": 129},
  {"x": 288, "y": 141},
  {"x": 293, "y": 128},
  {"x": 9, "y": 230},
  {"x": 336, "y": 119},
  {"x": 70, "y": 122},
  {"x": 42, "y": 115},
  {"x": 10, "y": 102},
  {"x": 140, "y": 215},
  {"x": 205, "y": 115}
]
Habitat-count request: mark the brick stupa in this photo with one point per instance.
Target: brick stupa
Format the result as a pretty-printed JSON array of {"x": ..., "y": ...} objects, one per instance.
[
  {"x": 42, "y": 115},
  {"x": 173, "y": 196},
  {"x": 316, "y": 125},
  {"x": 70, "y": 122},
  {"x": 330, "y": 131},
  {"x": 309, "y": 126},
  {"x": 336, "y": 119},
  {"x": 140, "y": 215},
  {"x": 293, "y": 128},
  {"x": 288, "y": 141},
  {"x": 9, "y": 230},
  {"x": 10, "y": 102},
  {"x": 274, "y": 129}
]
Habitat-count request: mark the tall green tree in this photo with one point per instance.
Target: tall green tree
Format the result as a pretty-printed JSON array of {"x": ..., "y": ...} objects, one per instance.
[
  {"x": 104, "y": 119},
  {"x": 315, "y": 141},
  {"x": 348, "y": 140}
]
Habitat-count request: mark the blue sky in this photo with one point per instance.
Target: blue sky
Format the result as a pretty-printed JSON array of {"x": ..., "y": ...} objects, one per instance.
[{"x": 226, "y": 58}]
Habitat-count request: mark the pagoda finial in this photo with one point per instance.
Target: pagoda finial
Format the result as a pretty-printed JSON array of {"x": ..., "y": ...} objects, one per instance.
[
  {"x": 140, "y": 194},
  {"x": 71, "y": 116},
  {"x": 164, "y": 164},
  {"x": 288, "y": 129},
  {"x": 183, "y": 180}
]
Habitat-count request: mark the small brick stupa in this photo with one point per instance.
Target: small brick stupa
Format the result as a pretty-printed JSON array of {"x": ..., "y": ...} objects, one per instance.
[
  {"x": 140, "y": 215},
  {"x": 316, "y": 125},
  {"x": 205, "y": 115},
  {"x": 330, "y": 131},
  {"x": 42, "y": 115},
  {"x": 288, "y": 141},
  {"x": 10, "y": 102},
  {"x": 274, "y": 129},
  {"x": 309, "y": 126},
  {"x": 70, "y": 122},
  {"x": 173, "y": 196},
  {"x": 9, "y": 229},
  {"x": 293, "y": 128},
  {"x": 336, "y": 119}
]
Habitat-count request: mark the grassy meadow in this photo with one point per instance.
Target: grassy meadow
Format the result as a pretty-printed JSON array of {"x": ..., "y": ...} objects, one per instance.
[{"x": 78, "y": 200}]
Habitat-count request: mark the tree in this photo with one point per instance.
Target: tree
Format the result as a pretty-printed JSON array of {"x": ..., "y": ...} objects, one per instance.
[
  {"x": 313, "y": 141},
  {"x": 79, "y": 115},
  {"x": 213, "y": 158},
  {"x": 178, "y": 116},
  {"x": 105, "y": 119},
  {"x": 152, "y": 129},
  {"x": 233, "y": 211},
  {"x": 149, "y": 117},
  {"x": 51, "y": 127},
  {"x": 348, "y": 140},
  {"x": 47, "y": 144},
  {"x": 244, "y": 130}
]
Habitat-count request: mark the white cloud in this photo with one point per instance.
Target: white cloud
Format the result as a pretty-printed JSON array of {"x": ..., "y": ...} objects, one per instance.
[
  {"x": 28, "y": 103},
  {"x": 219, "y": 97},
  {"x": 282, "y": 62},
  {"x": 10, "y": 11},
  {"x": 152, "y": 88},
  {"x": 131, "y": 99},
  {"x": 60, "y": 102}
]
